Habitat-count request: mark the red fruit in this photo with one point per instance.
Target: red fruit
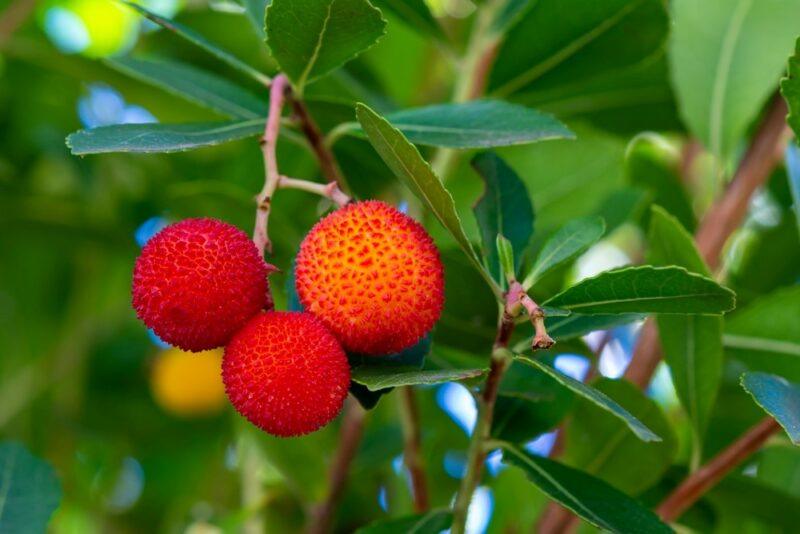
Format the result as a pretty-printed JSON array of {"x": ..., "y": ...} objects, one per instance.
[
  {"x": 286, "y": 373},
  {"x": 374, "y": 277},
  {"x": 197, "y": 282}
]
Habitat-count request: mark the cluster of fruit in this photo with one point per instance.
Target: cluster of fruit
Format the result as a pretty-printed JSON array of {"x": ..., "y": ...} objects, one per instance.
[{"x": 370, "y": 281}]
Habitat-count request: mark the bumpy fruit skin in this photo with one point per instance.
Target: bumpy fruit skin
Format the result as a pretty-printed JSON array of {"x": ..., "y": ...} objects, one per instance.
[
  {"x": 189, "y": 384},
  {"x": 197, "y": 282},
  {"x": 374, "y": 277},
  {"x": 286, "y": 373}
]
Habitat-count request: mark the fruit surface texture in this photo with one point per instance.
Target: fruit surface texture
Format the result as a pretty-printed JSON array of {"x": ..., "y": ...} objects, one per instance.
[
  {"x": 189, "y": 384},
  {"x": 286, "y": 373},
  {"x": 197, "y": 282},
  {"x": 374, "y": 277}
]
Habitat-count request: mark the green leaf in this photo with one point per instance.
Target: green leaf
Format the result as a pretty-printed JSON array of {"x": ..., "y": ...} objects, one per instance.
[
  {"x": 407, "y": 164},
  {"x": 726, "y": 58},
  {"x": 576, "y": 40},
  {"x": 779, "y": 398},
  {"x": 504, "y": 209},
  {"x": 653, "y": 164},
  {"x": 432, "y": 522},
  {"x": 571, "y": 240},
  {"x": 766, "y": 334},
  {"x": 790, "y": 89},
  {"x": 200, "y": 41},
  {"x": 592, "y": 499},
  {"x": 692, "y": 344},
  {"x": 596, "y": 397},
  {"x": 379, "y": 377},
  {"x": 600, "y": 444},
  {"x": 477, "y": 124},
  {"x": 29, "y": 490},
  {"x": 646, "y": 289},
  {"x": 505, "y": 256},
  {"x": 416, "y": 15},
  {"x": 194, "y": 85},
  {"x": 333, "y": 33},
  {"x": 508, "y": 14},
  {"x": 793, "y": 172},
  {"x": 147, "y": 138},
  {"x": 256, "y": 12}
]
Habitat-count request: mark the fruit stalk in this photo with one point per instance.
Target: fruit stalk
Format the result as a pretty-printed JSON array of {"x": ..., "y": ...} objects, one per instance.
[
  {"x": 277, "y": 95},
  {"x": 327, "y": 161},
  {"x": 330, "y": 190}
]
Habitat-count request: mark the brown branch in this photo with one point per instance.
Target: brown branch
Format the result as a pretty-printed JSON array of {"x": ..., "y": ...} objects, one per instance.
[
  {"x": 725, "y": 216},
  {"x": 13, "y": 17},
  {"x": 699, "y": 482},
  {"x": 412, "y": 457},
  {"x": 349, "y": 439},
  {"x": 327, "y": 161}
]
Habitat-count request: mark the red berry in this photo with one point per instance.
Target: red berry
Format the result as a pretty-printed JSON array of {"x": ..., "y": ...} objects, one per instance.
[
  {"x": 286, "y": 373},
  {"x": 374, "y": 277},
  {"x": 197, "y": 282}
]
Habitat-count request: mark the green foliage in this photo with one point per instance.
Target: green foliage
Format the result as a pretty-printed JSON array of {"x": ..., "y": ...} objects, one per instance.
[
  {"x": 504, "y": 210},
  {"x": 29, "y": 493},
  {"x": 778, "y": 397},
  {"x": 646, "y": 289},
  {"x": 432, "y": 522},
  {"x": 334, "y": 32},
  {"x": 589, "y": 497},
  {"x": 790, "y": 89},
  {"x": 724, "y": 73},
  {"x": 381, "y": 377},
  {"x": 598, "y": 398}
]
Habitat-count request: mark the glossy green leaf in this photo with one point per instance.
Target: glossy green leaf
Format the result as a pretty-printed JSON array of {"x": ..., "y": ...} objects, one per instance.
[
  {"x": 379, "y": 377},
  {"x": 332, "y": 32},
  {"x": 793, "y": 172},
  {"x": 790, "y": 89},
  {"x": 256, "y": 12},
  {"x": 576, "y": 40},
  {"x": 779, "y": 398},
  {"x": 594, "y": 500},
  {"x": 765, "y": 335},
  {"x": 200, "y": 41},
  {"x": 601, "y": 444},
  {"x": 146, "y": 138},
  {"x": 405, "y": 161},
  {"x": 504, "y": 209},
  {"x": 432, "y": 522},
  {"x": 646, "y": 289},
  {"x": 29, "y": 490},
  {"x": 416, "y": 15},
  {"x": 693, "y": 343},
  {"x": 726, "y": 58},
  {"x": 477, "y": 124},
  {"x": 571, "y": 240},
  {"x": 195, "y": 85},
  {"x": 599, "y": 398}
]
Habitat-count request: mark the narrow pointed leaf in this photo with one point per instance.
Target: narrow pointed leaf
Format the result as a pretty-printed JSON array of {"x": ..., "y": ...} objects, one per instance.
[
  {"x": 29, "y": 490},
  {"x": 405, "y": 161},
  {"x": 571, "y": 240},
  {"x": 432, "y": 522},
  {"x": 379, "y": 377},
  {"x": 147, "y": 138},
  {"x": 416, "y": 15},
  {"x": 779, "y": 398},
  {"x": 194, "y": 85},
  {"x": 200, "y": 41},
  {"x": 692, "y": 343},
  {"x": 331, "y": 33},
  {"x": 577, "y": 325},
  {"x": 594, "y": 500},
  {"x": 646, "y": 289},
  {"x": 597, "y": 397},
  {"x": 504, "y": 209}
]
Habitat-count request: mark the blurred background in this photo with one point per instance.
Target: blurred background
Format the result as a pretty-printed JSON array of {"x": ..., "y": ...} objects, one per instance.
[{"x": 140, "y": 435}]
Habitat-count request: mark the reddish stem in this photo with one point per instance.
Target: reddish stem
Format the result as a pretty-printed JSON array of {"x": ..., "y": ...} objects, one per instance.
[{"x": 412, "y": 456}]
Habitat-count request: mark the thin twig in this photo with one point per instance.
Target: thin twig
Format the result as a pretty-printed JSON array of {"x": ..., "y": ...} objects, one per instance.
[
  {"x": 412, "y": 454},
  {"x": 277, "y": 94},
  {"x": 327, "y": 161},
  {"x": 330, "y": 190},
  {"x": 349, "y": 440},
  {"x": 699, "y": 482}
]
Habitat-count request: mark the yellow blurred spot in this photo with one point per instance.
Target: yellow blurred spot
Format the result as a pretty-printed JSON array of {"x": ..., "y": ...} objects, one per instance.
[{"x": 189, "y": 384}]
